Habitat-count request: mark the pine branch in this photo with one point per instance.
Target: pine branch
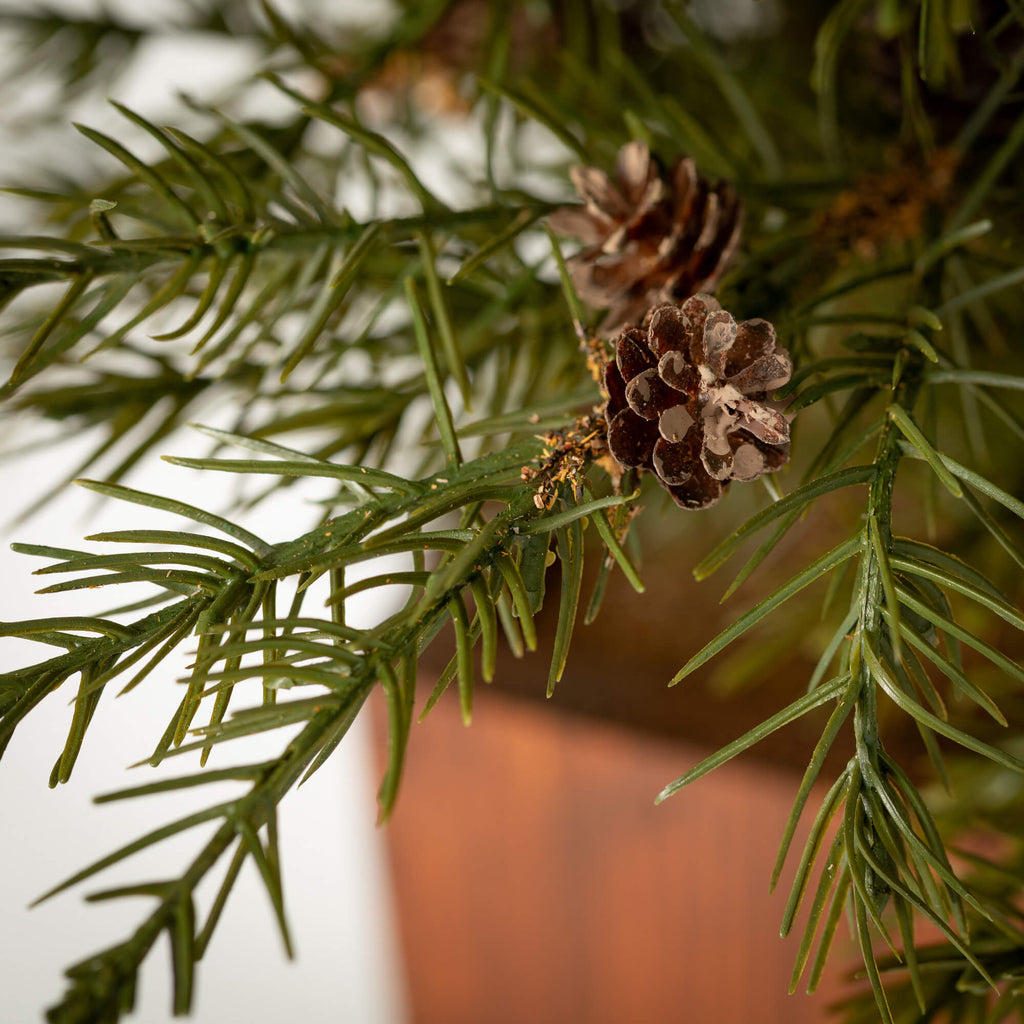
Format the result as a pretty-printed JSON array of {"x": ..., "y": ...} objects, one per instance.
[{"x": 225, "y": 595}]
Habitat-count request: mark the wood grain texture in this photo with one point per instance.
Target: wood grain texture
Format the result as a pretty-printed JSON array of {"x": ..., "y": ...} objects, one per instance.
[{"x": 537, "y": 882}]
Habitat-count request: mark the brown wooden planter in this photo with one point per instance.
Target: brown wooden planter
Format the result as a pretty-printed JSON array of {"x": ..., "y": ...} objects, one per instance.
[{"x": 537, "y": 882}]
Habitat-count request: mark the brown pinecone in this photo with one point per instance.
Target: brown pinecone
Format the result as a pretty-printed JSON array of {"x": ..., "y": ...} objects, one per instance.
[
  {"x": 650, "y": 239},
  {"x": 688, "y": 396}
]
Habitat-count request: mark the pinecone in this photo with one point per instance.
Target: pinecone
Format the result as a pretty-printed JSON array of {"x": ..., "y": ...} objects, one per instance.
[
  {"x": 650, "y": 239},
  {"x": 688, "y": 398}
]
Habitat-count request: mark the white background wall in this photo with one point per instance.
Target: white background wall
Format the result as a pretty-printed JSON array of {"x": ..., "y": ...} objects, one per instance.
[{"x": 334, "y": 861}]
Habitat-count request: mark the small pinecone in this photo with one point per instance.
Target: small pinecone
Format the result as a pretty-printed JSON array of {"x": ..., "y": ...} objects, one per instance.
[
  {"x": 650, "y": 239},
  {"x": 688, "y": 398}
]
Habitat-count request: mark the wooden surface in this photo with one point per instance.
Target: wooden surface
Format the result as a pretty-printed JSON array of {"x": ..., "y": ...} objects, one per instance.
[{"x": 537, "y": 882}]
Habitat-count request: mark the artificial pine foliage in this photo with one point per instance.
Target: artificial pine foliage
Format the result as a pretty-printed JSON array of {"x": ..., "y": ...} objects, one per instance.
[{"x": 425, "y": 335}]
